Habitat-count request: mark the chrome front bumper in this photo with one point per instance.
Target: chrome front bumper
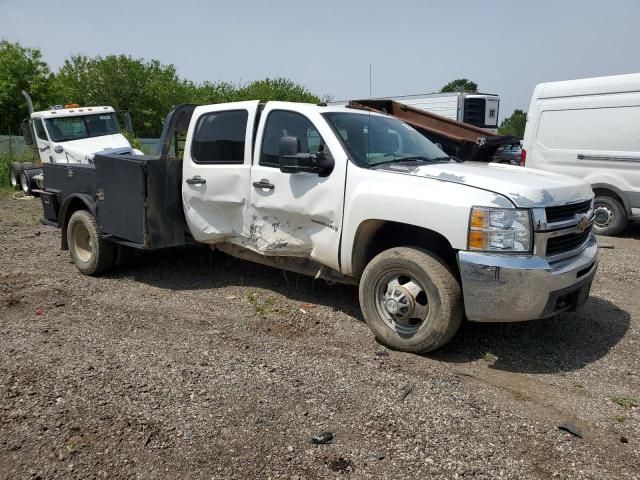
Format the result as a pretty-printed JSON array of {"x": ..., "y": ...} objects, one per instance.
[{"x": 502, "y": 288}]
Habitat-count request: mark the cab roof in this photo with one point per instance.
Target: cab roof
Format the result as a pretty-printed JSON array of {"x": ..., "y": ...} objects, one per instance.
[{"x": 72, "y": 112}]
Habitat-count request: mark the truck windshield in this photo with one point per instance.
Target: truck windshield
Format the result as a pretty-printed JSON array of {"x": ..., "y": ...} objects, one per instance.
[
  {"x": 63, "y": 129},
  {"x": 374, "y": 139}
]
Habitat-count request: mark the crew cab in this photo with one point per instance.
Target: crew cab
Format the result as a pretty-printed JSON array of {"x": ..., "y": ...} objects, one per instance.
[{"x": 346, "y": 195}]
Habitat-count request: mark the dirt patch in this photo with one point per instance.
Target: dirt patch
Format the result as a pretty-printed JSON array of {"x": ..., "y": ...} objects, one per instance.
[{"x": 191, "y": 364}]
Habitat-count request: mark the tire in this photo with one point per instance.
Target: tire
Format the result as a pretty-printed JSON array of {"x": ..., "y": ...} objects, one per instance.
[
  {"x": 89, "y": 251},
  {"x": 25, "y": 182},
  {"x": 14, "y": 175},
  {"x": 423, "y": 292},
  {"x": 610, "y": 218}
]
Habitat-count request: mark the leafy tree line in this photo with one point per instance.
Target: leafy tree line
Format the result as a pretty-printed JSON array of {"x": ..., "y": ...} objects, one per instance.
[{"x": 147, "y": 89}]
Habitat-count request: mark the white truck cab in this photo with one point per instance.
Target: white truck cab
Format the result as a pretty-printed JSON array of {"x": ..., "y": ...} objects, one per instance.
[
  {"x": 344, "y": 195},
  {"x": 75, "y": 134},
  {"x": 70, "y": 135}
]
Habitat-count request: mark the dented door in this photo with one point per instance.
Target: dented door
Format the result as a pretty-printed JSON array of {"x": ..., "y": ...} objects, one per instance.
[
  {"x": 296, "y": 214},
  {"x": 217, "y": 170}
]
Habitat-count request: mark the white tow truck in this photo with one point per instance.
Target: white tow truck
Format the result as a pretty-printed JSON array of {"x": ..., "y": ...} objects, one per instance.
[
  {"x": 69, "y": 134},
  {"x": 345, "y": 195}
]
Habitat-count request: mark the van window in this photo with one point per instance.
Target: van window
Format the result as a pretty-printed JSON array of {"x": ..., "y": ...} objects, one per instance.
[
  {"x": 220, "y": 137},
  {"x": 608, "y": 129}
]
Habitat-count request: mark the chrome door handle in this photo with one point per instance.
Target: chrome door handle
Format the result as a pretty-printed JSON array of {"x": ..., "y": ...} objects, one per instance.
[
  {"x": 264, "y": 184},
  {"x": 197, "y": 180}
]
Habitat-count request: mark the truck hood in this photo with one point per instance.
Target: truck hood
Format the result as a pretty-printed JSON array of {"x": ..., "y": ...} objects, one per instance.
[
  {"x": 525, "y": 187},
  {"x": 106, "y": 143}
]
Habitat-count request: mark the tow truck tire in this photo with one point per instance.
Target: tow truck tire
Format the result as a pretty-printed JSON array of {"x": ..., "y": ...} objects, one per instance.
[
  {"x": 610, "y": 218},
  {"x": 411, "y": 300},
  {"x": 89, "y": 251}
]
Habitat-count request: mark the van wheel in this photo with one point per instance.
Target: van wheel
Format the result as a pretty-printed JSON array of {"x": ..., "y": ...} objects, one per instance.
[
  {"x": 88, "y": 250},
  {"x": 610, "y": 218},
  {"x": 410, "y": 300}
]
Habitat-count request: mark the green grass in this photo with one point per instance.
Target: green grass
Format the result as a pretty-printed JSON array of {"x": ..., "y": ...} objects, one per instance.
[
  {"x": 625, "y": 402},
  {"x": 5, "y": 167}
]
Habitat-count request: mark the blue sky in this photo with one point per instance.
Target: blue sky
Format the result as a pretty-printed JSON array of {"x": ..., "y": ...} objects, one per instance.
[{"x": 507, "y": 47}]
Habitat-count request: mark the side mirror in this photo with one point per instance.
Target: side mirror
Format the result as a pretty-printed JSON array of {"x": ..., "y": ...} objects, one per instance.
[
  {"x": 292, "y": 161},
  {"x": 58, "y": 149},
  {"x": 26, "y": 132}
]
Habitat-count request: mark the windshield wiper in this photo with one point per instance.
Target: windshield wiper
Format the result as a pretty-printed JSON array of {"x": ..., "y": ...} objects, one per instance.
[{"x": 415, "y": 158}]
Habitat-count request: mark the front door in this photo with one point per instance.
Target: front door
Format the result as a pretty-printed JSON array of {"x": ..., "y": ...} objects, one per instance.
[
  {"x": 296, "y": 214},
  {"x": 217, "y": 169}
]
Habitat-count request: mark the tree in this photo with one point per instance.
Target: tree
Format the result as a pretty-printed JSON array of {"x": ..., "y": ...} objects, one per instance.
[
  {"x": 147, "y": 90},
  {"x": 514, "y": 125},
  {"x": 21, "y": 68},
  {"x": 281, "y": 89},
  {"x": 460, "y": 85}
]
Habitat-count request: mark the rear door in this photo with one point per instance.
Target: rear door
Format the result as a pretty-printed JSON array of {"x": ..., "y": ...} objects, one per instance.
[{"x": 216, "y": 170}]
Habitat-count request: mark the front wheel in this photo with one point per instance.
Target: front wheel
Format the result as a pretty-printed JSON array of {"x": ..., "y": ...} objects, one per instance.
[
  {"x": 410, "y": 300},
  {"x": 88, "y": 250},
  {"x": 610, "y": 218}
]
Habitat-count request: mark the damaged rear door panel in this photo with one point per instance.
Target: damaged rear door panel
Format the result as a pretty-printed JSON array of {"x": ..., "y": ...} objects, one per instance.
[{"x": 217, "y": 170}]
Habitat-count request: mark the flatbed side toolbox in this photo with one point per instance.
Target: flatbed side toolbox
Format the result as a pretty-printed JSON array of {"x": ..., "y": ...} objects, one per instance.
[
  {"x": 138, "y": 200},
  {"x": 50, "y": 205}
]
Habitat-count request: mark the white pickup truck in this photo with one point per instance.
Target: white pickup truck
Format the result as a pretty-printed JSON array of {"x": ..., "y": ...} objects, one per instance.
[{"x": 348, "y": 196}]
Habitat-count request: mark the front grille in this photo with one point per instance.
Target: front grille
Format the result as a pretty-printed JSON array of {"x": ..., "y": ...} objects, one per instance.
[
  {"x": 566, "y": 212},
  {"x": 566, "y": 243}
]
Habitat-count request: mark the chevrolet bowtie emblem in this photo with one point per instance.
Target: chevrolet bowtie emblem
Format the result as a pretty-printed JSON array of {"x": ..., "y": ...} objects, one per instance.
[{"x": 583, "y": 223}]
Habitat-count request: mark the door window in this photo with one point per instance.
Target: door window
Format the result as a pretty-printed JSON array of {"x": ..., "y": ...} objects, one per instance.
[
  {"x": 220, "y": 137},
  {"x": 281, "y": 123},
  {"x": 39, "y": 128}
]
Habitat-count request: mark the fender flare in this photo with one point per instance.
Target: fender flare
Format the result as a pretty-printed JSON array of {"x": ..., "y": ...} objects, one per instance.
[
  {"x": 617, "y": 191},
  {"x": 66, "y": 211}
]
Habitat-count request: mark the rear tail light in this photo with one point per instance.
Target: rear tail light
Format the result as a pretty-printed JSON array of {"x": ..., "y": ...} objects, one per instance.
[{"x": 523, "y": 157}]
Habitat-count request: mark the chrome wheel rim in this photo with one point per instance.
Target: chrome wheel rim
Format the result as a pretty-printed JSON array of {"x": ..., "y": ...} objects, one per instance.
[
  {"x": 401, "y": 302},
  {"x": 24, "y": 182},
  {"x": 603, "y": 216},
  {"x": 14, "y": 178},
  {"x": 82, "y": 242}
]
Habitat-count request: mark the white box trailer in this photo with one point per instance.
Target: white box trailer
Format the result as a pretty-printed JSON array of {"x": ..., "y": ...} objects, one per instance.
[{"x": 477, "y": 109}]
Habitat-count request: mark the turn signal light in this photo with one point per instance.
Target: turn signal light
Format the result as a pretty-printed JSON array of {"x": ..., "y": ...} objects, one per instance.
[
  {"x": 477, "y": 240},
  {"x": 477, "y": 218}
]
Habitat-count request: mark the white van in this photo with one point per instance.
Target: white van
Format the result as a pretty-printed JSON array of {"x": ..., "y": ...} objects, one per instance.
[{"x": 590, "y": 128}]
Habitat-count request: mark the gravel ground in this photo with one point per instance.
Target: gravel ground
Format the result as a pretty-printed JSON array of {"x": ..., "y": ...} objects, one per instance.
[{"x": 191, "y": 364}]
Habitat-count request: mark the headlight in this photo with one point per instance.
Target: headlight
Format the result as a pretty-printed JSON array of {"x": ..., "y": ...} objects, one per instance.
[{"x": 499, "y": 230}]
